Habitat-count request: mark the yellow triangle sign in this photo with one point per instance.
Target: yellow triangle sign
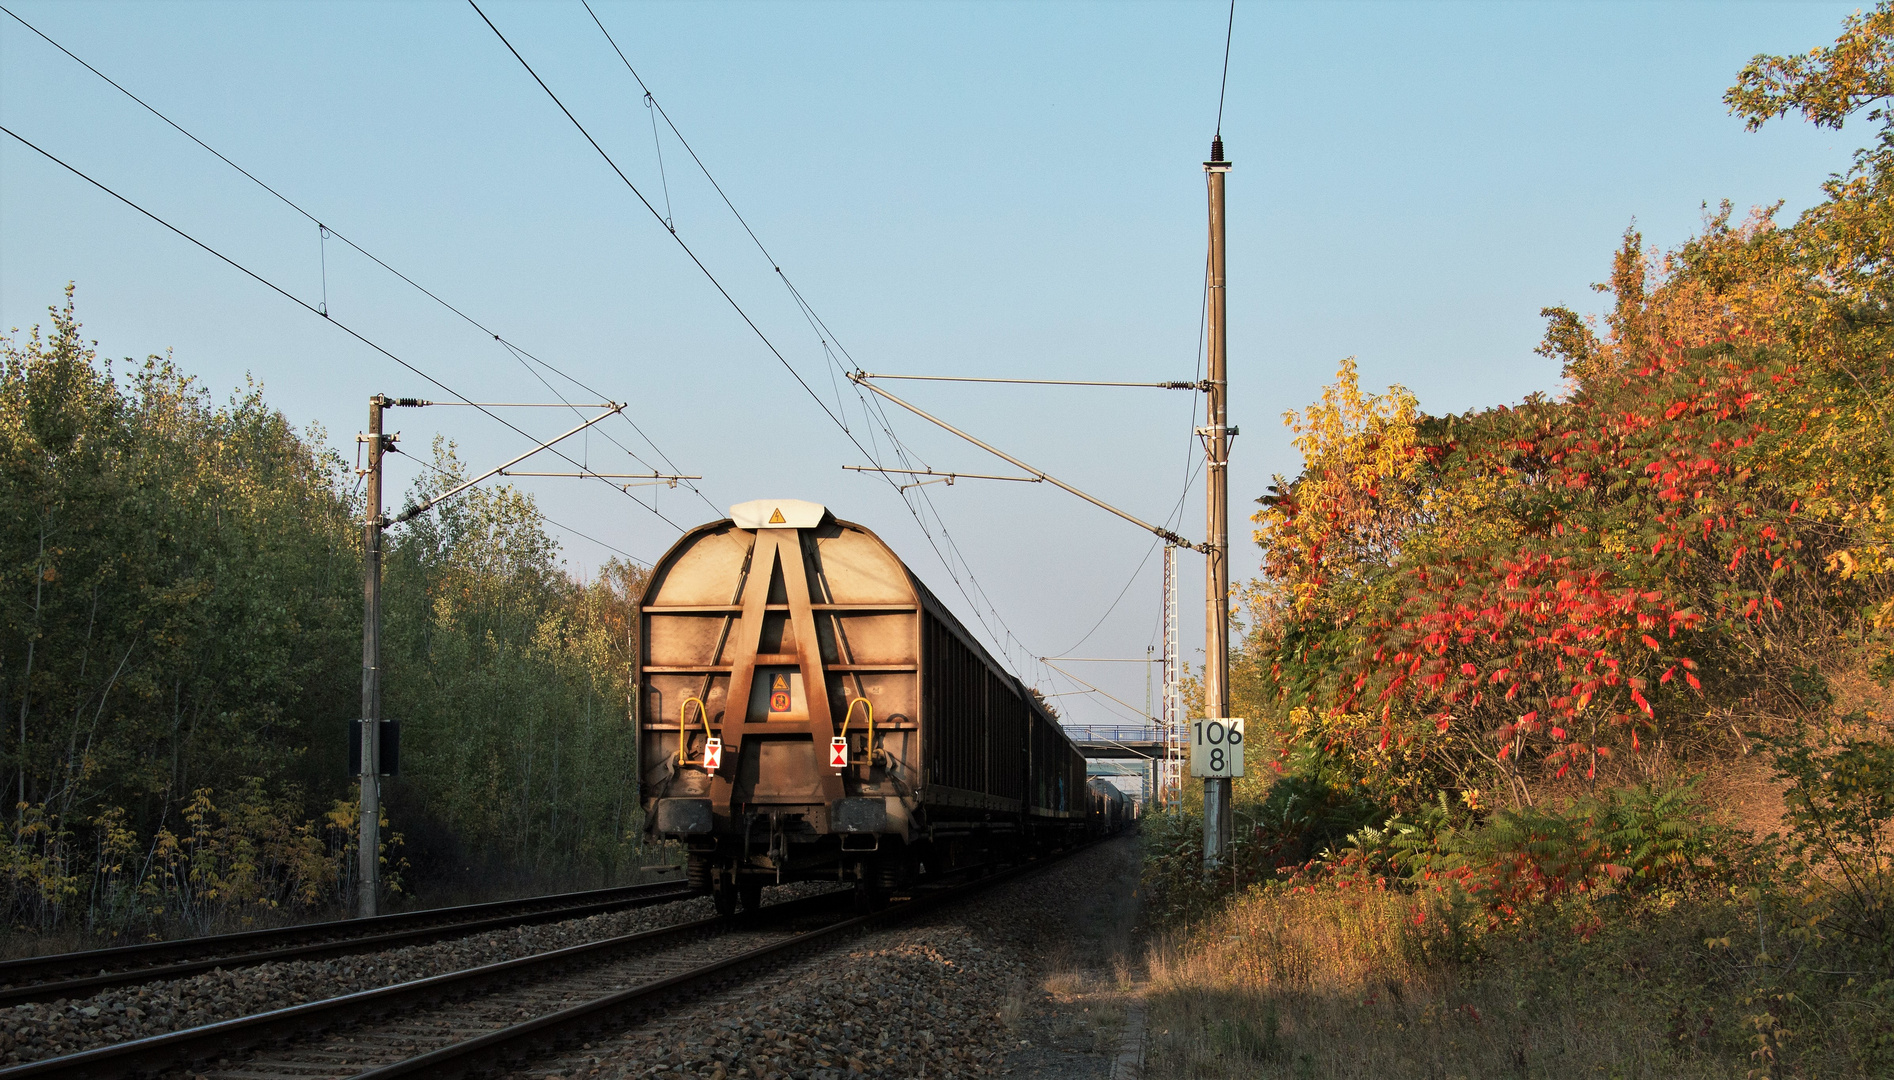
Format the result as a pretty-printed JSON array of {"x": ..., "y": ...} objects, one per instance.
[
  {"x": 776, "y": 517},
  {"x": 779, "y": 683}
]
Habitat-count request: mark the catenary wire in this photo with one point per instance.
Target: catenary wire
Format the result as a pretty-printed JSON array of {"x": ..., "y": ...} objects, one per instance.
[
  {"x": 712, "y": 278},
  {"x": 1193, "y": 465},
  {"x": 647, "y": 564},
  {"x": 731, "y": 300},
  {"x": 325, "y": 231},
  {"x": 825, "y": 335},
  {"x": 299, "y": 302},
  {"x": 1229, "y": 30}
]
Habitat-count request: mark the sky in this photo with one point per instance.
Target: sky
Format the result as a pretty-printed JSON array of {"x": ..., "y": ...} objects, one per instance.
[{"x": 992, "y": 190}]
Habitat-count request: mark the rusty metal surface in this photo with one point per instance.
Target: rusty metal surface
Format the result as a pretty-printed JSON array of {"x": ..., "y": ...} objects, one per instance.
[{"x": 831, "y": 617}]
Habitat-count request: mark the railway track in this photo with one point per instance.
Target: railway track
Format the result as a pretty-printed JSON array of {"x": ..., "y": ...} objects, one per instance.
[
  {"x": 498, "y": 1016},
  {"x": 80, "y": 974}
]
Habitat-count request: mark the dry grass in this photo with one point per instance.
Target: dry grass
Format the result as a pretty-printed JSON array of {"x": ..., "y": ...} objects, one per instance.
[
  {"x": 1337, "y": 985},
  {"x": 1088, "y": 1010}
]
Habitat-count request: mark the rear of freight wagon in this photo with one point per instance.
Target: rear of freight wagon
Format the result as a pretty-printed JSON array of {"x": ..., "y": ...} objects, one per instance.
[{"x": 874, "y": 739}]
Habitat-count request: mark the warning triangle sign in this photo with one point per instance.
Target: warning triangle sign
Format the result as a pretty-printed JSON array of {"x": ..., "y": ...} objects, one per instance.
[
  {"x": 778, "y": 683},
  {"x": 776, "y": 517}
]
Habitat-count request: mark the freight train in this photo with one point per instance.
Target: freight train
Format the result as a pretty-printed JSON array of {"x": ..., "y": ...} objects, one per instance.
[
  {"x": 808, "y": 710},
  {"x": 1110, "y": 810}
]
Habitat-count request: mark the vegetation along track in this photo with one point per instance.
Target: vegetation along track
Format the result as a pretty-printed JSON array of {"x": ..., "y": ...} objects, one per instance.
[
  {"x": 77, "y": 974},
  {"x": 493, "y": 1017}
]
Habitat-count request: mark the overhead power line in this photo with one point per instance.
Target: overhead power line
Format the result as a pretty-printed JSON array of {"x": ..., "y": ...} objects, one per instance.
[
  {"x": 454, "y": 477},
  {"x": 298, "y": 301},
  {"x": 1162, "y": 532},
  {"x": 1135, "y": 711},
  {"x": 871, "y": 408},
  {"x": 699, "y": 263},
  {"x": 326, "y": 231},
  {"x": 1042, "y": 382},
  {"x": 808, "y": 312},
  {"x": 1229, "y": 31}
]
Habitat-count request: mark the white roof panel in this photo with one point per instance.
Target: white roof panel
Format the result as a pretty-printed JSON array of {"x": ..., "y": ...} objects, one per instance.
[{"x": 778, "y": 514}]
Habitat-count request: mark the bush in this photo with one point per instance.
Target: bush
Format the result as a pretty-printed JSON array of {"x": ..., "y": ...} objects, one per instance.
[
  {"x": 1298, "y": 815},
  {"x": 1839, "y": 794},
  {"x": 1631, "y": 841}
]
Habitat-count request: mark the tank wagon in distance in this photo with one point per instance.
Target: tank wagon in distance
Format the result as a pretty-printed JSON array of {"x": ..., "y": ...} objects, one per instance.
[{"x": 809, "y": 710}]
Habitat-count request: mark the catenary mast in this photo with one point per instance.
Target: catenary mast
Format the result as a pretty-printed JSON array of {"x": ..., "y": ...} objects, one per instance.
[
  {"x": 368, "y": 840},
  {"x": 1217, "y": 820}
]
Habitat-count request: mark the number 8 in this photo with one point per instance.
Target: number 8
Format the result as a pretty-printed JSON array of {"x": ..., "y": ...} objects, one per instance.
[{"x": 1216, "y": 759}]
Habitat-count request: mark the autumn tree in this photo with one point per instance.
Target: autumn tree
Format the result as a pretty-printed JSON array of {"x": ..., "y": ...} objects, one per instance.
[{"x": 1687, "y": 535}]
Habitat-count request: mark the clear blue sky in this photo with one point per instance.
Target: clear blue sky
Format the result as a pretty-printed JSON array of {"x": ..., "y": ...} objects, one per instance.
[{"x": 974, "y": 189}]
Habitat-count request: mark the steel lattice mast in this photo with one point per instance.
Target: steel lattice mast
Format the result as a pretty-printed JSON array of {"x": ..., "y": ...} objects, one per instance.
[{"x": 1176, "y": 727}]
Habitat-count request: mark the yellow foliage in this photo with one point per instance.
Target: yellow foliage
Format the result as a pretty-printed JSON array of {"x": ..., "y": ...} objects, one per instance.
[{"x": 1355, "y": 498}]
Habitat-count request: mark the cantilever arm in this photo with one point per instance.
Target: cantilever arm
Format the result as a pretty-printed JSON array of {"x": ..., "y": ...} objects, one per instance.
[
  {"x": 860, "y": 378},
  {"x": 425, "y": 505}
]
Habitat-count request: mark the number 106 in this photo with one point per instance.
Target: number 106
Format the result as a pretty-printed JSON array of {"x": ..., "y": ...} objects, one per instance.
[{"x": 1216, "y": 748}]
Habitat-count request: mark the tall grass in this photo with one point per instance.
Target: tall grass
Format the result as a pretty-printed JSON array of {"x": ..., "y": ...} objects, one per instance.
[
  {"x": 1377, "y": 984},
  {"x": 1751, "y": 974}
]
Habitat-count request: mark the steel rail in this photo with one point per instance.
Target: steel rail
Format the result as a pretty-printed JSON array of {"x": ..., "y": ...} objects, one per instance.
[
  {"x": 518, "y": 1043},
  {"x": 67, "y": 975},
  {"x": 205, "y": 1042}
]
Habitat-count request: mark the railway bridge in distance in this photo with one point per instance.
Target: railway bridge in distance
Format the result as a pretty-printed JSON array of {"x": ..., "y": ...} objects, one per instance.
[{"x": 1113, "y": 750}]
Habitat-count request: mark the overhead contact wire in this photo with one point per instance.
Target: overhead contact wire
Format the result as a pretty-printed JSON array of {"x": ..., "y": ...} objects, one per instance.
[
  {"x": 305, "y": 305},
  {"x": 711, "y": 277},
  {"x": 824, "y": 334},
  {"x": 686, "y": 248},
  {"x": 325, "y": 231},
  {"x": 423, "y": 462}
]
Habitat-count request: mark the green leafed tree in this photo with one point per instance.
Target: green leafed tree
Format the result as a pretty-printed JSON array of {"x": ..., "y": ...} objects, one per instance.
[{"x": 512, "y": 681}]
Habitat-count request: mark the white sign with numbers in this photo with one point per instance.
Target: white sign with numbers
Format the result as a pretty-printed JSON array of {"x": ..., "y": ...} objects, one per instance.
[{"x": 1216, "y": 748}]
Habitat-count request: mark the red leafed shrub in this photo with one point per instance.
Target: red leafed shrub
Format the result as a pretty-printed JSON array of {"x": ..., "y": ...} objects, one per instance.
[{"x": 1577, "y": 563}]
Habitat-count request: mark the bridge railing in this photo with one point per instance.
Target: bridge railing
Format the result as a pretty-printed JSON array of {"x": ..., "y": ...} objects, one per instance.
[{"x": 1115, "y": 733}]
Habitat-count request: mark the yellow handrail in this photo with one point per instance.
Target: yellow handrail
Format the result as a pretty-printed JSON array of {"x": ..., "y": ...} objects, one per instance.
[
  {"x": 869, "y": 707},
  {"x": 682, "y": 711}
]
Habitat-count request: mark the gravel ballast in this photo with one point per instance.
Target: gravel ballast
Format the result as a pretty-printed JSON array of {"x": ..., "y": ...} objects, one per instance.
[
  {"x": 39, "y": 1030},
  {"x": 1026, "y": 980}
]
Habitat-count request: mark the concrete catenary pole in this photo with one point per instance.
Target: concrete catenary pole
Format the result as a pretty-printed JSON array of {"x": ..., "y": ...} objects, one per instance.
[
  {"x": 368, "y": 854},
  {"x": 1217, "y": 819}
]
